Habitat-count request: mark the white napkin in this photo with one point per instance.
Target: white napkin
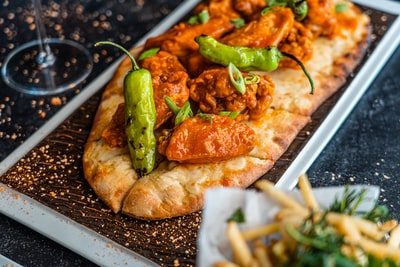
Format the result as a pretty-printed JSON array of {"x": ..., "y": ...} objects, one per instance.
[{"x": 258, "y": 209}]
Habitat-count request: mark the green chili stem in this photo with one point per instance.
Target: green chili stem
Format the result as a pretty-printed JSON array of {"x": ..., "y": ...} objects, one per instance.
[
  {"x": 302, "y": 67},
  {"x": 135, "y": 66}
]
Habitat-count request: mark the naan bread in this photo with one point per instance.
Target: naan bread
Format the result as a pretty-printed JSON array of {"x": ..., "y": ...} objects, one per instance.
[{"x": 174, "y": 189}]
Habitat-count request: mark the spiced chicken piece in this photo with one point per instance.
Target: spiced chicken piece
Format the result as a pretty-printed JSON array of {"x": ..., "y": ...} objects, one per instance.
[
  {"x": 114, "y": 133},
  {"x": 246, "y": 9},
  {"x": 180, "y": 39},
  {"x": 298, "y": 43},
  {"x": 219, "y": 9},
  {"x": 249, "y": 9},
  {"x": 267, "y": 30},
  {"x": 321, "y": 18},
  {"x": 214, "y": 92},
  {"x": 221, "y": 138},
  {"x": 169, "y": 79}
]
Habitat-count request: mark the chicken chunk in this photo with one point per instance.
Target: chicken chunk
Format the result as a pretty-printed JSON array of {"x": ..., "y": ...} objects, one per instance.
[
  {"x": 114, "y": 133},
  {"x": 169, "y": 79},
  {"x": 214, "y": 92},
  {"x": 180, "y": 39},
  {"x": 249, "y": 8},
  {"x": 298, "y": 43},
  {"x": 321, "y": 18},
  {"x": 219, "y": 9},
  {"x": 267, "y": 30},
  {"x": 222, "y": 139}
]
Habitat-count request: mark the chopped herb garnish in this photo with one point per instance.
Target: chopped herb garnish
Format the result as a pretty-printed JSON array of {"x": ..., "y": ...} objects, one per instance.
[
  {"x": 149, "y": 53},
  {"x": 205, "y": 116},
  {"x": 201, "y": 18},
  {"x": 237, "y": 216},
  {"x": 251, "y": 78},
  {"x": 181, "y": 113},
  {"x": 238, "y": 22},
  {"x": 184, "y": 113},
  {"x": 340, "y": 7},
  {"x": 231, "y": 114},
  {"x": 171, "y": 104}
]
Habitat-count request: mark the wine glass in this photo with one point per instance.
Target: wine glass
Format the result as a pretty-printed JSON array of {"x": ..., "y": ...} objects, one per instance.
[{"x": 46, "y": 66}]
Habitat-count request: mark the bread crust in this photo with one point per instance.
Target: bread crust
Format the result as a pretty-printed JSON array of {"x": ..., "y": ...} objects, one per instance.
[{"x": 179, "y": 189}]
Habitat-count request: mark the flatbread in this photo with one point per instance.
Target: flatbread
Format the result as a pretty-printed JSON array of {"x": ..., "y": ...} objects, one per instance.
[{"x": 175, "y": 189}]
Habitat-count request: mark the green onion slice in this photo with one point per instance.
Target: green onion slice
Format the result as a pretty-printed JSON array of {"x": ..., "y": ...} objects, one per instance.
[
  {"x": 340, "y": 7},
  {"x": 251, "y": 78},
  {"x": 206, "y": 116},
  {"x": 181, "y": 113},
  {"x": 200, "y": 18},
  {"x": 231, "y": 114},
  {"x": 236, "y": 78},
  {"x": 184, "y": 113},
  {"x": 171, "y": 104},
  {"x": 204, "y": 16},
  {"x": 238, "y": 22}
]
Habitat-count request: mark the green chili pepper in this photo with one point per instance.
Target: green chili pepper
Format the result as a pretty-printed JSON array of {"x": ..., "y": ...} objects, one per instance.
[
  {"x": 140, "y": 115},
  {"x": 245, "y": 58}
]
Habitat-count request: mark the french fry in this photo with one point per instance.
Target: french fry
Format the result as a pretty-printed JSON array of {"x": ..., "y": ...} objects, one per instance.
[
  {"x": 261, "y": 254},
  {"x": 226, "y": 264},
  {"x": 265, "y": 230},
  {"x": 387, "y": 226},
  {"x": 279, "y": 251},
  {"x": 280, "y": 196},
  {"x": 241, "y": 251},
  {"x": 394, "y": 239},
  {"x": 306, "y": 191},
  {"x": 380, "y": 250},
  {"x": 285, "y": 213},
  {"x": 349, "y": 229},
  {"x": 369, "y": 228},
  {"x": 366, "y": 227}
]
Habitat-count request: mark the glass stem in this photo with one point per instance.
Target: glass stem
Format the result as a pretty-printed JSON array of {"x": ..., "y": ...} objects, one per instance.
[{"x": 46, "y": 57}]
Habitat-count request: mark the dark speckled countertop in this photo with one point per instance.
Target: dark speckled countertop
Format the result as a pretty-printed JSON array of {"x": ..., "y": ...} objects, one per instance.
[{"x": 365, "y": 149}]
